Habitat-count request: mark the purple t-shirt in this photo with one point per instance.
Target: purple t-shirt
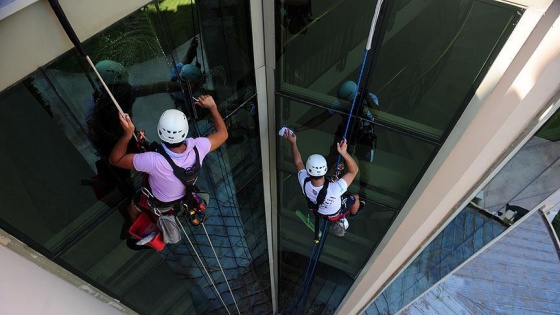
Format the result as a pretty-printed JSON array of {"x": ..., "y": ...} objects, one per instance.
[{"x": 165, "y": 186}]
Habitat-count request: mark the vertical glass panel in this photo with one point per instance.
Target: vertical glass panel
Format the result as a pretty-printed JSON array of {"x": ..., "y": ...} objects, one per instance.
[
  {"x": 433, "y": 57},
  {"x": 321, "y": 43},
  {"x": 174, "y": 295},
  {"x": 42, "y": 171},
  {"x": 226, "y": 28},
  {"x": 527, "y": 179},
  {"x": 419, "y": 76},
  {"x": 430, "y": 59},
  {"x": 73, "y": 204},
  {"x": 383, "y": 182}
]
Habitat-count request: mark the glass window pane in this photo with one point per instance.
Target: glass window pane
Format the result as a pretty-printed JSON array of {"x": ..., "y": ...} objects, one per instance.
[
  {"x": 433, "y": 57},
  {"x": 105, "y": 258},
  {"x": 387, "y": 176},
  {"x": 384, "y": 181},
  {"x": 74, "y": 204},
  {"x": 427, "y": 65},
  {"x": 35, "y": 193}
]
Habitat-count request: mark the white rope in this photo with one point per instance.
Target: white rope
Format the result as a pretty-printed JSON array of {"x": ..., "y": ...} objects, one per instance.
[
  {"x": 373, "y": 22},
  {"x": 203, "y": 266},
  {"x": 107, "y": 90},
  {"x": 221, "y": 269}
]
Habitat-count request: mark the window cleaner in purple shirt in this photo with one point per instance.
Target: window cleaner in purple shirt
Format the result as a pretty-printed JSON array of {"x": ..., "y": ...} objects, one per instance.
[{"x": 172, "y": 129}]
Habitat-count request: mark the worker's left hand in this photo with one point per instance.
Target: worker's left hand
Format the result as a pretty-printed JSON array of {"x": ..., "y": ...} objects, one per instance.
[
  {"x": 342, "y": 147},
  {"x": 206, "y": 101}
]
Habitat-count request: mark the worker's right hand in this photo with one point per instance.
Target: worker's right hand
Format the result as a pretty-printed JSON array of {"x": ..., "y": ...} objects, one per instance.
[
  {"x": 290, "y": 136},
  {"x": 127, "y": 125}
]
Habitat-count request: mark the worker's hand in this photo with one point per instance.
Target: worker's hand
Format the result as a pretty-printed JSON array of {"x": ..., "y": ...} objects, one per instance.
[
  {"x": 127, "y": 125},
  {"x": 290, "y": 136},
  {"x": 342, "y": 147},
  {"x": 194, "y": 42},
  {"x": 206, "y": 101}
]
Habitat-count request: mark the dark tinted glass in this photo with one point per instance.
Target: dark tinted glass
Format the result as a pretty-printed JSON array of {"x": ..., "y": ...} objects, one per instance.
[{"x": 61, "y": 196}]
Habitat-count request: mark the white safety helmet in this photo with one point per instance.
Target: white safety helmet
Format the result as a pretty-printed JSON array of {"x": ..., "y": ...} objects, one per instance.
[
  {"x": 347, "y": 91},
  {"x": 173, "y": 126},
  {"x": 112, "y": 72},
  {"x": 191, "y": 73},
  {"x": 316, "y": 165}
]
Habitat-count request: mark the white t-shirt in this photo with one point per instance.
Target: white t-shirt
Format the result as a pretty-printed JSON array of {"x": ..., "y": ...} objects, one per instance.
[{"x": 332, "y": 201}]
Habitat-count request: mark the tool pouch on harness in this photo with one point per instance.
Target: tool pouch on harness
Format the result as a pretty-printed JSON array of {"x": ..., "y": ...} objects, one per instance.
[
  {"x": 339, "y": 227},
  {"x": 162, "y": 215},
  {"x": 169, "y": 229}
]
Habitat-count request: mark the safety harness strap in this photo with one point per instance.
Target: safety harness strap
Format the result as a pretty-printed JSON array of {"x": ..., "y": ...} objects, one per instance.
[
  {"x": 187, "y": 176},
  {"x": 320, "y": 197},
  {"x": 314, "y": 207}
]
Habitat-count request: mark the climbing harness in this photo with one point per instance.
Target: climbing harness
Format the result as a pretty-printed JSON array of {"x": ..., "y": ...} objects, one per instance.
[{"x": 314, "y": 207}]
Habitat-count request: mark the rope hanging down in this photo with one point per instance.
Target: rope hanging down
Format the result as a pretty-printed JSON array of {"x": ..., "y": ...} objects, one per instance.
[
  {"x": 368, "y": 48},
  {"x": 317, "y": 247},
  {"x": 203, "y": 266},
  {"x": 221, "y": 268},
  {"x": 310, "y": 270},
  {"x": 74, "y": 39}
]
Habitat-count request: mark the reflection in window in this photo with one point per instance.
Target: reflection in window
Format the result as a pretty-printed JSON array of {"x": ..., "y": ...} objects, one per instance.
[
  {"x": 55, "y": 188},
  {"x": 430, "y": 59},
  {"x": 384, "y": 184},
  {"x": 433, "y": 57}
]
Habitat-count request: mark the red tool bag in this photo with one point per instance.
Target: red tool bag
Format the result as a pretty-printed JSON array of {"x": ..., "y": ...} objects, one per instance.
[{"x": 144, "y": 226}]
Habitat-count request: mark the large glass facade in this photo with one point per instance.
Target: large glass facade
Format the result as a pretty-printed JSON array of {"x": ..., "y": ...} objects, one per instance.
[
  {"x": 61, "y": 196},
  {"x": 426, "y": 61}
]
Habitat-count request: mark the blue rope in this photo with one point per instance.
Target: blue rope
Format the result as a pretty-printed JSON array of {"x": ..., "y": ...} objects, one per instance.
[
  {"x": 306, "y": 274},
  {"x": 368, "y": 47},
  {"x": 313, "y": 259},
  {"x": 319, "y": 250},
  {"x": 352, "y": 107}
]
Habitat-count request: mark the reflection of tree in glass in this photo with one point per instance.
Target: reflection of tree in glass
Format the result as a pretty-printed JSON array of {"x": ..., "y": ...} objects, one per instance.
[{"x": 133, "y": 40}]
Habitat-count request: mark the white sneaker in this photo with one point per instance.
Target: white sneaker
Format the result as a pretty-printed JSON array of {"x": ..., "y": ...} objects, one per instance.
[{"x": 147, "y": 239}]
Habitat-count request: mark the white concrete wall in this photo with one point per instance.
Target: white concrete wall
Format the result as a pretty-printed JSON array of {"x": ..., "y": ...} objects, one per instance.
[
  {"x": 26, "y": 288},
  {"x": 32, "y": 36}
]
